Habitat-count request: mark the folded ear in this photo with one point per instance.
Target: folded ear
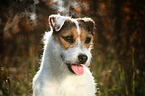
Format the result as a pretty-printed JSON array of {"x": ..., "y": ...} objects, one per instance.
[
  {"x": 89, "y": 24},
  {"x": 56, "y": 22}
]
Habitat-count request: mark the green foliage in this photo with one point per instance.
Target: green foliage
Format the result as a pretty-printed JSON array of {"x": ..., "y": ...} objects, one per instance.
[{"x": 19, "y": 79}]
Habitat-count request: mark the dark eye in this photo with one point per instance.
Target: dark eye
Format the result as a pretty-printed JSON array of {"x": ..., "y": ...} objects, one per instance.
[
  {"x": 88, "y": 39},
  {"x": 68, "y": 39}
]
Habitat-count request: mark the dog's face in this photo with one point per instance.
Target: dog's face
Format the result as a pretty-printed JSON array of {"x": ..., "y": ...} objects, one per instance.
[{"x": 75, "y": 36}]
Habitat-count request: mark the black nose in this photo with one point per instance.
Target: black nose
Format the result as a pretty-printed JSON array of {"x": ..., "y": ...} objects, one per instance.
[{"x": 82, "y": 58}]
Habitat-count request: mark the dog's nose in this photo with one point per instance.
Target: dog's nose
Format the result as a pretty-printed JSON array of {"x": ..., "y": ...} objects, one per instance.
[{"x": 82, "y": 58}]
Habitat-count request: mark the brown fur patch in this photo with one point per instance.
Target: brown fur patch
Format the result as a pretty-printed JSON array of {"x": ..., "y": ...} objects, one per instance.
[
  {"x": 71, "y": 32},
  {"x": 84, "y": 35},
  {"x": 70, "y": 29}
]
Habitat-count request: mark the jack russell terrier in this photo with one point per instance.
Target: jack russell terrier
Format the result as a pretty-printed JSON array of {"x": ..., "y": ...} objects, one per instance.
[{"x": 64, "y": 67}]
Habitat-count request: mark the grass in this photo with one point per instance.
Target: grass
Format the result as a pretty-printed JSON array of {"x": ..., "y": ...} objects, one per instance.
[
  {"x": 109, "y": 75},
  {"x": 17, "y": 76}
]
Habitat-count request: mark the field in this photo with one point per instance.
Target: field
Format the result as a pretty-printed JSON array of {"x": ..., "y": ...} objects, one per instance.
[{"x": 118, "y": 62}]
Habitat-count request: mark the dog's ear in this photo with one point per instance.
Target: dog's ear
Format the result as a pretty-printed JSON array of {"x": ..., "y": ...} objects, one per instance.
[
  {"x": 89, "y": 24},
  {"x": 56, "y": 22}
]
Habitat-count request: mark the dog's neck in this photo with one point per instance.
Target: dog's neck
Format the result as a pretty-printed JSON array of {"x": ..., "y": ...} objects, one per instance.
[{"x": 51, "y": 60}]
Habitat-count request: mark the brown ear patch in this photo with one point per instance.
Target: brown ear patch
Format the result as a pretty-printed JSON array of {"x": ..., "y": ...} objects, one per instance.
[{"x": 88, "y": 24}]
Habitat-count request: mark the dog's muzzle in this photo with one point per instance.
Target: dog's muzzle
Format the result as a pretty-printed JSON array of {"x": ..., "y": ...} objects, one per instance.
[{"x": 76, "y": 68}]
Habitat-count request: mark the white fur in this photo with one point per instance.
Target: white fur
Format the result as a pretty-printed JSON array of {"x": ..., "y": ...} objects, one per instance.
[{"x": 54, "y": 78}]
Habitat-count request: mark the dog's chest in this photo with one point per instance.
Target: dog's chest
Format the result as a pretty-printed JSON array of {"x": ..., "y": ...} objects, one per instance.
[{"x": 70, "y": 86}]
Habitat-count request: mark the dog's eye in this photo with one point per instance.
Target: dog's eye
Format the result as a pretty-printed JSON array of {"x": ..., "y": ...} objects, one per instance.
[
  {"x": 88, "y": 39},
  {"x": 68, "y": 39}
]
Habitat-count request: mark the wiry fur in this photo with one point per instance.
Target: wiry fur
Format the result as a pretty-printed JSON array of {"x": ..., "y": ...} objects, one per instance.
[{"x": 54, "y": 78}]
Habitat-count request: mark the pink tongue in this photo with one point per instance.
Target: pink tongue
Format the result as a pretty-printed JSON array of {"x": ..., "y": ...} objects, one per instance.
[{"x": 78, "y": 69}]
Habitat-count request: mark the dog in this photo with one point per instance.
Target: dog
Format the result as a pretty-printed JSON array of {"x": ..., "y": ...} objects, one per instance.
[{"x": 64, "y": 67}]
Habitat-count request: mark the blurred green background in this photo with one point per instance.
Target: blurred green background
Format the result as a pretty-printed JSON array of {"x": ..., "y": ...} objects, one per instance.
[{"x": 118, "y": 63}]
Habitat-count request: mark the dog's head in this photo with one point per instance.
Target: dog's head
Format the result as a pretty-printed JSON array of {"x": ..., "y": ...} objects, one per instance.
[{"x": 75, "y": 38}]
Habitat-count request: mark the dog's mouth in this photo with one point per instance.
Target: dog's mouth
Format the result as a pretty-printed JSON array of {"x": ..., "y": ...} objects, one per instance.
[{"x": 76, "y": 68}]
